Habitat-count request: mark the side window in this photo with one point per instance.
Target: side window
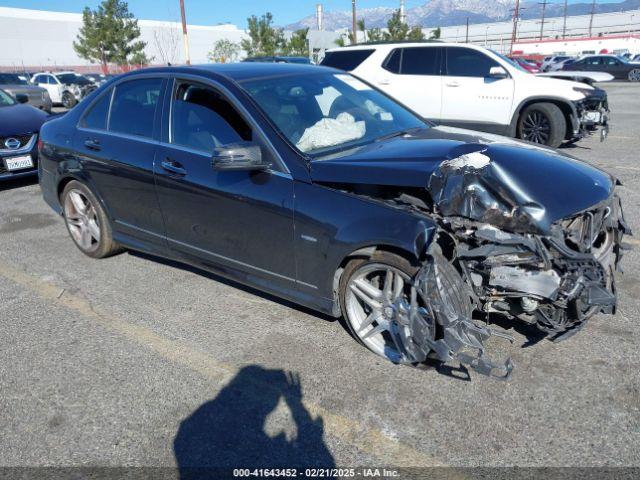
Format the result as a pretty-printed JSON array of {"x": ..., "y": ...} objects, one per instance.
[
  {"x": 465, "y": 62},
  {"x": 134, "y": 107},
  {"x": 203, "y": 120},
  {"x": 347, "y": 60},
  {"x": 612, "y": 61},
  {"x": 593, "y": 61},
  {"x": 421, "y": 61},
  {"x": 41, "y": 79},
  {"x": 96, "y": 117},
  {"x": 392, "y": 63}
]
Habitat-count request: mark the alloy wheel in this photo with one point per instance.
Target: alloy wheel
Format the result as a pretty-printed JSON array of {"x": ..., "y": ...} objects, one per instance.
[
  {"x": 634, "y": 75},
  {"x": 536, "y": 127},
  {"x": 379, "y": 299},
  {"x": 82, "y": 219}
]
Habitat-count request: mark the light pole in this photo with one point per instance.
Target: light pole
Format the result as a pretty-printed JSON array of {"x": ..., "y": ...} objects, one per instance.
[
  {"x": 185, "y": 36},
  {"x": 354, "y": 38}
]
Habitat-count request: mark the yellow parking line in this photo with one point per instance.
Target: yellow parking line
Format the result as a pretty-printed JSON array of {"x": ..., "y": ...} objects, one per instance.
[
  {"x": 631, "y": 241},
  {"x": 368, "y": 440}
]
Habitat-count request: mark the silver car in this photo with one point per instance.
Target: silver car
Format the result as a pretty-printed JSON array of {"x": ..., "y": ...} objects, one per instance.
[{"x": 13, "y": 84}]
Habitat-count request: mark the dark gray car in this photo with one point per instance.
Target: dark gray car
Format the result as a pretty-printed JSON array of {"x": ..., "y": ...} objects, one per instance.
[{"x": 13, "y": 84}]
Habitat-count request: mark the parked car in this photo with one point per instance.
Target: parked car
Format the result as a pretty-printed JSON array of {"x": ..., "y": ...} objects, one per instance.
[
  {"x": 98, "y": 78},
  {"x": 13, "y": 84},
  {"x": 549, "y": 61},
  {"x": 310, "y": 184},
  {"x": 473, "y": 87},
  {"x": 19, "y": 127},
  {"x": 528, "y": 66},
  {"x": 619, "y": 68},
  {"x": 279, "y": 59},
  {"x": 66, "y": 88},
  {"x": 558, "y": 66}
]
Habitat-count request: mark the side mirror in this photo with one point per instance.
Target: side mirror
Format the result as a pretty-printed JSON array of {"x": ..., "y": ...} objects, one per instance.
[
  {"x": 22, "y": 98},
  {"x": 498, "y": 73},
  {"x": 245, "y": 156}
]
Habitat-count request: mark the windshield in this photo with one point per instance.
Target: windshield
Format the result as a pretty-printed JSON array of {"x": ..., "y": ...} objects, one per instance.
[
  {"x": 70, "y": 78},
  {"x": 11, "y": 79},
  {"x": 5, "y": 99},
  {"x": 327, "y": 112}
]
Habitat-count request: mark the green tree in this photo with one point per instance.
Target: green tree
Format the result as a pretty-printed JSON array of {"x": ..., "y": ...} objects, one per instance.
[
  {"x": 375, "y": 35},
  {"x": 110, "y": 34},
  {"x": 435, "y": 34},
  {"x": 224, "y": 51},
  {"x": 415, "y": 34},
  {"x": 264, "y": 39},
  {"x": 397, "y": 29},
  {"x": 298, "y": 44},
  {"x": 340, "y": 41},
  {"x": 362, "y": 28}
]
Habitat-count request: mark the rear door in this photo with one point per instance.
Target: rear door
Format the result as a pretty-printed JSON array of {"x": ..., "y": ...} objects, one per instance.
[
  {"x": 412, "y": 75},
  {"x": 118, "y": 138},
  {"x": 50, "y": 84},
  {"x": 470, "y": 96}
]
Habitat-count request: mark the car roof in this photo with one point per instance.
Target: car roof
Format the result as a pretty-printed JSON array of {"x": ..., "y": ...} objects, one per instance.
[
  {"x": 241, "y": 71},
  {"x": 392, "y": 45}
]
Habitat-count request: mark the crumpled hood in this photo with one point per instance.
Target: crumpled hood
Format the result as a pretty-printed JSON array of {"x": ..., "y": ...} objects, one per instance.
[
  {"x": 20, "y": 119},
  {"x": 512, "y": 185}
]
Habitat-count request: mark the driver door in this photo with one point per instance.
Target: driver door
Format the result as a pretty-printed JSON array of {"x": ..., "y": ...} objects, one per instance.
[{"x": 237, "y": 221}]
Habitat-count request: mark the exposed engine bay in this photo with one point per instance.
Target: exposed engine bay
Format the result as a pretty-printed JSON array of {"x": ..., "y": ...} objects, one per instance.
[{"x": 512, "y": 259}]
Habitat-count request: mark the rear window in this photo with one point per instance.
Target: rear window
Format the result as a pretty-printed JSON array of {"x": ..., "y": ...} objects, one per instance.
[{"x": 346, "y": 59}]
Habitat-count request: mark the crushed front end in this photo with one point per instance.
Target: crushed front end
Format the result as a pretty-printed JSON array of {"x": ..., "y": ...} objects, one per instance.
[{"x": 557, "y": 281}]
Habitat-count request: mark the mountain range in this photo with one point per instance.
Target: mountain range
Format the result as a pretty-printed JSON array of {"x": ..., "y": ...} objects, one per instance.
[{"x": 443, "y": 13}]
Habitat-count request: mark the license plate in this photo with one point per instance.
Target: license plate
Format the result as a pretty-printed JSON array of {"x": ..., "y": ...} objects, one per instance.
[{"x": 18, "y": 163}]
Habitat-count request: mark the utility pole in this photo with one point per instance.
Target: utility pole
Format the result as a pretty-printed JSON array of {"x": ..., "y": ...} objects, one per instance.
[
  {"x": 467, "y": 36},
  {"x": 185, "y": 35},
  {"x": 516, "y": 16},
  {"x": 354, "y": 30},
  {"x": 593, "y": 11},
  {"x": 564, "y": 23},
  {"x": 544, "y": 8}
]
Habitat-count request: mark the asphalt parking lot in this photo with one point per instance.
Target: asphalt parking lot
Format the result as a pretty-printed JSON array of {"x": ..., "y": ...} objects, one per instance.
[{"x": 133, "y": 361}]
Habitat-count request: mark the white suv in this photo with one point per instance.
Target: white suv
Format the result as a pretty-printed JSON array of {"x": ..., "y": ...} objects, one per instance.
[
  {"x": 473, "y": 87},
  {"x": 67, "y": 88}
]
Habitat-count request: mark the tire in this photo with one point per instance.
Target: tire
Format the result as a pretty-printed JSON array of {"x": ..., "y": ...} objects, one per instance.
[
  {"x": 542, "y": 123},
  {"x": 88, "y": 226},
  {"x": 68, "y": 100},
  {"x": 634, "y": 75}
]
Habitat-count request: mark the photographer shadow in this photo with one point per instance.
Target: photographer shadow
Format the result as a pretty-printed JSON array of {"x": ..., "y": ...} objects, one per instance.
[{"x": 228, "y": 432}]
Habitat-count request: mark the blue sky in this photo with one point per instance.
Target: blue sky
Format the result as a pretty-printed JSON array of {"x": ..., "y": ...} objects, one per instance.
[{"x": 207, "y": 12}]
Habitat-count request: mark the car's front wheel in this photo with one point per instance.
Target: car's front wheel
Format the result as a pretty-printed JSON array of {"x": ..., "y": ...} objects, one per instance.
[
  {"x": 87, "y": 221},
  {"x": 68, "y": 100},
  {"x": 634, "y": 75},
  {"x": 542, "y": 123}
]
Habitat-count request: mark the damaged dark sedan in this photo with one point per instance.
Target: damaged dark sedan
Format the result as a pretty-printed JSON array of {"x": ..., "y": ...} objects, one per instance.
[{"x": 310, "y": 184}]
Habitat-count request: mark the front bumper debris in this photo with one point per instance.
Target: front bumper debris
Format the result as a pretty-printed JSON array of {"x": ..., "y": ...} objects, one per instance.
[{"x": 593, "y": 115}]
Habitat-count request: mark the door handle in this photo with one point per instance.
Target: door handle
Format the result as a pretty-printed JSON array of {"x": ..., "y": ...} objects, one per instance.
[
  {"x": 453, "y": 84},
  {"x": 174, "y": 168},
  {"x": 92, "y": 144}
]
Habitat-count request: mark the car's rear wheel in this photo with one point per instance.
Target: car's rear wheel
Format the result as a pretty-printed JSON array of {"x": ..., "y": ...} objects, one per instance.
[
  {"x": 634, "y": 75},
  {"x": 87, "y": 221},
  {"x": 542, "y": 123},
  {"x": 68, "y": 100}
]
